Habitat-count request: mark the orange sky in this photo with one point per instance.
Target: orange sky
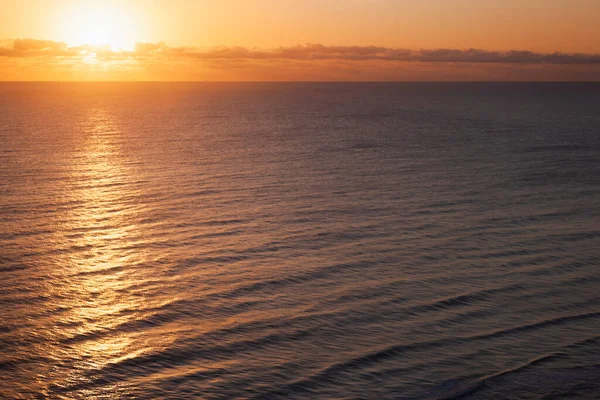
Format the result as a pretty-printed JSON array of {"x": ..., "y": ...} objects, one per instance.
[{"x": 258, "y": 39}]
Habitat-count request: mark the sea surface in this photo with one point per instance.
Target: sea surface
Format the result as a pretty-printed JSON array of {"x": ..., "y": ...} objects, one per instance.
[{"x": 299, "y": 241}]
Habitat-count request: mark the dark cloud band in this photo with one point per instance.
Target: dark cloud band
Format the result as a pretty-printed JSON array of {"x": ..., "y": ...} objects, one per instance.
[{"x": 307, "y": 52}]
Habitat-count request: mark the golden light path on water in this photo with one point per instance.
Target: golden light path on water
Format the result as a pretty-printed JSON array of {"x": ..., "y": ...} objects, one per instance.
[{"x": 101, "y": 290}]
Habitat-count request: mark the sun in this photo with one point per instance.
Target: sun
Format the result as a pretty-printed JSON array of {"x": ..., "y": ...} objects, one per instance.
[{"x": 101, "y": 24}]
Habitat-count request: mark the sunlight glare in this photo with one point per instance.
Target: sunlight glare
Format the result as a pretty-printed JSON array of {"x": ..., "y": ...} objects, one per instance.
[{"x": 101, "y": 24}]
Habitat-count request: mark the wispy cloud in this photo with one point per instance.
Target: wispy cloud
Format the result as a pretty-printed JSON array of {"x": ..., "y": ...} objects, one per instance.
[
  {"x": 367, "y": 53},
  {"x": 306, "y": 52},
  {"x": 35, "y": 48},
  {"x": 30, "y": 59}
]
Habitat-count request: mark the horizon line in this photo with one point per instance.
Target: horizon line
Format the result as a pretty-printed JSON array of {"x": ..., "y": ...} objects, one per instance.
[{"x": 295, "y": 81}]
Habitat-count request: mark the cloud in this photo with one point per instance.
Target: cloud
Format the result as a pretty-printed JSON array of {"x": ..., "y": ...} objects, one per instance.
[
  {"x": 306, "y": 52},
  {"x": 309, "y": 52},
  {"x": 36, "y": 48},
  {"x": 30, "y": 59}
]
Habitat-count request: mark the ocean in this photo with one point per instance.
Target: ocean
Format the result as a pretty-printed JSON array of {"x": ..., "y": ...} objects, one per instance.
[{"x": 300, "y": 240}]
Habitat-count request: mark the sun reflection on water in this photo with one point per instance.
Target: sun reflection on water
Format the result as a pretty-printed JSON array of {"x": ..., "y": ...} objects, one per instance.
[{"x": 101, "y": 293}]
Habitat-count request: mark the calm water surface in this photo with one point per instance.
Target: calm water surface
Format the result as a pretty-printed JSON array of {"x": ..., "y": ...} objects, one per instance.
[{"x": 300, "y": 241}]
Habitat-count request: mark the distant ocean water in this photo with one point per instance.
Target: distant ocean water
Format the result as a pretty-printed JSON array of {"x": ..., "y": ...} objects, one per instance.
[{"x": 300, "y": 241}]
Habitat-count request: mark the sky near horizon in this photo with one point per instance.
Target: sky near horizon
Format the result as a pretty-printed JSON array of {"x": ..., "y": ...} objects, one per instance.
[{"x": 299, "y": 40}]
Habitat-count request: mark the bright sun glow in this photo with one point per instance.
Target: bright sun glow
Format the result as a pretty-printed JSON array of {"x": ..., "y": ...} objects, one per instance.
[{"x": 101, "y": 25}]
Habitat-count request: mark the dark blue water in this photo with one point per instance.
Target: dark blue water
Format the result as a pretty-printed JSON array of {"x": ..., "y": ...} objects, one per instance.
[{"x": 300, "y": 241}]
